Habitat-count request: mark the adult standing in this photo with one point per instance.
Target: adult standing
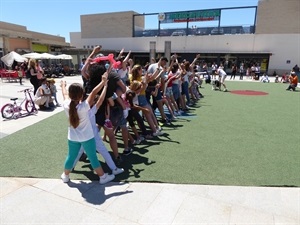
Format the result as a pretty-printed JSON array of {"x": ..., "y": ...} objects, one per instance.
[
  {"x": 32, "y": 67},
  {"x": 222, "y": 76},
  {"x": 40, "y": 71},
  {"x": 158, "y": 66},
  {"x": 214, "y": 68},
  {"x": 233, "y": 71},
  {"x": 242, "y": 71},
  {"x": 95, "y": 71}
]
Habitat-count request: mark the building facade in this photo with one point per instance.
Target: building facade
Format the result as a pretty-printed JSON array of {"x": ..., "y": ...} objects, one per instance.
[
  {"x": 17, "y": 38},
  {"x": 272, "y": 41}
]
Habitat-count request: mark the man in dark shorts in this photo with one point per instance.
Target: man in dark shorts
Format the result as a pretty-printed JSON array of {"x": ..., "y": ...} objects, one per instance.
[{"x": 116, "y": 112}]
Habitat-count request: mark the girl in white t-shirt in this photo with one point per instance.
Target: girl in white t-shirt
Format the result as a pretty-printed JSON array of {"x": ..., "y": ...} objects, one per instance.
[{"x": 80, "y": 131}]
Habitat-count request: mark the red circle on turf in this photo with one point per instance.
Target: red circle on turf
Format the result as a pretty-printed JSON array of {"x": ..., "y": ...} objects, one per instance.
[{"x": 248, "y": 92}]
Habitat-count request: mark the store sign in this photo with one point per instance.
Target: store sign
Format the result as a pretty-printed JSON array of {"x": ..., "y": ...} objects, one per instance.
[
  {"x": 194, "y": 16},
  {"x": 39, "y": 48}
]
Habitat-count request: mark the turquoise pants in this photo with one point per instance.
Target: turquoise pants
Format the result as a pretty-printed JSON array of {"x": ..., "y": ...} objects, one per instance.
[{"x": 90, "y": 149}]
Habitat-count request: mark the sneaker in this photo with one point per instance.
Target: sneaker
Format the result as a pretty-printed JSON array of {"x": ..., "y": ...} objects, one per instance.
[
  {"x": 118, "y": 160},
  {"x": 157, "y": 133},
  {"x": 168, "y": 121},
  {"x": 108, "y": 124},
  {"x": 141, "y": 139},
  {"x": 127, "y": 151},
  {"x": 159, "y": 128},
  {"x": 225, "y": 90},
  {"x": 106, "y": 178},
  {"x": 58, "y": 105},
  {"x": 117, "y": 171},
  {"x": 65, "y": 178}
]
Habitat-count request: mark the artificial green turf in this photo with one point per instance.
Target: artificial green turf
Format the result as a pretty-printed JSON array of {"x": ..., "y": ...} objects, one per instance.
[{"x": 225, "y": 139}]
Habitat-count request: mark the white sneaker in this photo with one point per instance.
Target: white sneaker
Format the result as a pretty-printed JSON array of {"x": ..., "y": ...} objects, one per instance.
[
  {"x": 225, "y": 90},
  {"x": 106, "y": 178},
  {"x": 137, "y": 141},
  {"x": 65, "y": 178},
  {"x": 159, "y": 128},
  {"x": 141, "y": 139},
  {"x": 157, "y": 133},
  {"x": 117, "y": 171}
]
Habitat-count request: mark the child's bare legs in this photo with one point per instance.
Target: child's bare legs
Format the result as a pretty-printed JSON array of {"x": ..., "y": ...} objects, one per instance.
[
  {"x": 182, "y": 101},
  {"x": 131, "y": 139},
  {"x": 165, "y": 101},
  {"x": 153, "y": 118},
  {"x": 112, "y": 141},
  {"x": 136, "y": 133},
  {"x": 125, "y": 136},
  {"x": 150, "y": 120},
  {"x": 107, "y": 122},
  {"x": 161, "y": 109},
  {"x": 170, "y": 103},
  {"x": 174, "y": 103}
]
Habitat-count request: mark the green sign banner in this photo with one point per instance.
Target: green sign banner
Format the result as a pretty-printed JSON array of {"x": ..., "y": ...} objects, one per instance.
[{"x": 178, "y": 17}]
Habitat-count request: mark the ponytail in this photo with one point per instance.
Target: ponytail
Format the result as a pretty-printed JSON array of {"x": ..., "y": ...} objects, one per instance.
[
  {"x": 73, "y": 115},
  {"x": 75, "y": 94}
]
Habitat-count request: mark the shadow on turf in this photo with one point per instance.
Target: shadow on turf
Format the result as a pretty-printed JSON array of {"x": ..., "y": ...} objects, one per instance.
[
  {"x": 127, "y": 164},
  {"x": 135, "y": 158}
]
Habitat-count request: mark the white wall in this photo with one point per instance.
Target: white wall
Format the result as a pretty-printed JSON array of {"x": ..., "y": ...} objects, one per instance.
[{"x": 282, "y": 47}]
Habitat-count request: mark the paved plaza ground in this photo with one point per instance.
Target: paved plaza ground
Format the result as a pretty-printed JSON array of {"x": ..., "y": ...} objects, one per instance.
[{"x": 49, "y": 201}]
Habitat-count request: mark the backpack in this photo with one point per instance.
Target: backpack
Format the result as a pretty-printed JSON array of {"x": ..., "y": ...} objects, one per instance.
[{"x": 28, "y": 74}]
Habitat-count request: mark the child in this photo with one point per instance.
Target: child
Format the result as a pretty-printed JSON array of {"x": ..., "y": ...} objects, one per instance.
[
  {"x": 53, "y": 90},
  {"x": 43, "y": 95},
  {"x": 80, "y": 130},
  {"x": 100, "y": 147},
  {"x": 20, "y": 74}
]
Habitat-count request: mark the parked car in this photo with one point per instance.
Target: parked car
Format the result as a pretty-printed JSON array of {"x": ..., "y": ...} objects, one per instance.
[
  {"x": 178, "y": 33},
  {"x": 217, "y": 30},
  {"x": 200, "y": 32}
]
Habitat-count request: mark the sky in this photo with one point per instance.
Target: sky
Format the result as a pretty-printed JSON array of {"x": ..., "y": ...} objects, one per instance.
[{"x": 60, "y": 17}]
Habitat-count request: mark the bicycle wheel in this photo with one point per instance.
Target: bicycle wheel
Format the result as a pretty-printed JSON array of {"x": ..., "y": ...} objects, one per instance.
[
  {"x": 30, "y": 107},
  {"x": 7, "y": 111}
]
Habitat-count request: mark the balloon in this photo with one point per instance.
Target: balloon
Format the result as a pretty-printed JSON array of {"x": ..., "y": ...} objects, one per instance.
[{"x": 110, "y": 58}]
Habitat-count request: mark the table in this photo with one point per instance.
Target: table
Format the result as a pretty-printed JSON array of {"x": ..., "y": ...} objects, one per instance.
[{"x": 9, "y": 75}]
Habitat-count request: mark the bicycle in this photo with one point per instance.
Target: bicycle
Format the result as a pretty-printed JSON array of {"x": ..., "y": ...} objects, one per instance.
[{"x": 14, "y": 110}]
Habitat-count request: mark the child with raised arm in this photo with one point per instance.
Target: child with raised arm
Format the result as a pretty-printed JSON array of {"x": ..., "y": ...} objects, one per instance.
[
  {"x": 80, "y": 130},
  {"x": 100, "y": 147}
]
